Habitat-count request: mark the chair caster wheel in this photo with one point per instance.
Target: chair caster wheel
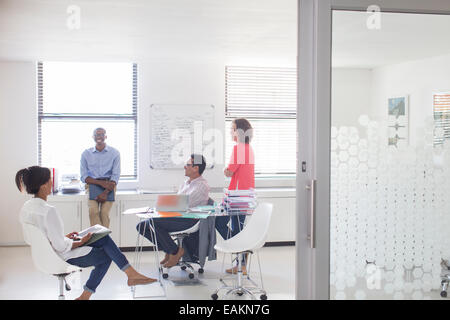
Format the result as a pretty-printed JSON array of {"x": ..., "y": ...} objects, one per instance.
[
  {"x": 191, "y": 276},
  {"x": 165, "y": 275},
  {"x": 68, "y": 288},
  {"x": 239, "y": 293},
  {"x": 444, "y": 294},
  {"x": 183, "y": 267},
  {"x": 214, "y": 296},
  {"x": 263, "y": 297},
  {"x": 201, "y": 270}
]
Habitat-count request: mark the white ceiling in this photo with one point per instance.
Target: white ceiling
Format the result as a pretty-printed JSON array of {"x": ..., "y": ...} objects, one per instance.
[
  {"x": 402, "y": 37},
  {"x": 237, "y": 30},
  {"x": 142, "y": 29}
]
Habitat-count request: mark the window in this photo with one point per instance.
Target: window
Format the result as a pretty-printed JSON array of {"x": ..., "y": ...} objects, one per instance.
[
  {"x": 441, "y": 106},
  {"x": 76, "y": 98},
  {"x": 267, "y": 97}
]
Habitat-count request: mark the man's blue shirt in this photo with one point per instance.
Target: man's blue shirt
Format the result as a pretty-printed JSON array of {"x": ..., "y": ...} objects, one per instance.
[{"x": 100, "y": 164}]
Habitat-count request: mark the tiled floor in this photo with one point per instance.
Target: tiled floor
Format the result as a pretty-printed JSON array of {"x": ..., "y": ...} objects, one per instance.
[{"x": 20, "y": 280}]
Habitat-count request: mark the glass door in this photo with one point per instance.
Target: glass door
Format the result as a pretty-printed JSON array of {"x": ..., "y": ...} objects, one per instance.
[{"x": 373, "y": 149}]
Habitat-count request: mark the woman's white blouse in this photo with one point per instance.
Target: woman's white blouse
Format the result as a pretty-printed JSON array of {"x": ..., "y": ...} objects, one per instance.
[{"x": 44, "y": 216}]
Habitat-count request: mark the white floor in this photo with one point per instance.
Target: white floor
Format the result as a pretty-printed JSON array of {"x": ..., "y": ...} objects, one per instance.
[{"x": 19, "y": 280}]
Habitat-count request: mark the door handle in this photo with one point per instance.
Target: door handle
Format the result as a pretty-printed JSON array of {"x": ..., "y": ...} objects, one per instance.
[{"x": 312, "y": 214}]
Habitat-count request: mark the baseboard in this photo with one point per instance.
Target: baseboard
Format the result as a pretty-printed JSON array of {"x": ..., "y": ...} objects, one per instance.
[
  {"x": 13, "y": 244},
  {"x": 279, "y": 244},
  {"x": 132, "y": 249},
  {"x": 267, "y": 244}
]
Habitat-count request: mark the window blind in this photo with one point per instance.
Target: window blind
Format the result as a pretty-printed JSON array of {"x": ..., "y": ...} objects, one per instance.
[
  {"x": 441, "y": 106},
  {"x": 259, "y": 92},
  {"x": 267, "y": 97}
]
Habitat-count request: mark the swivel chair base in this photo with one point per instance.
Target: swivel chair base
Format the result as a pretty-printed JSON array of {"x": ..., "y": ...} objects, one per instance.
[
  {"x": 63, "y": 283},
  {"x": 239, "y": 288}
]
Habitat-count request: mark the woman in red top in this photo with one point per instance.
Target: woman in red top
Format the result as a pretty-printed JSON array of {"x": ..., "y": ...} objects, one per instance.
[{"x": 241, "y": 170}]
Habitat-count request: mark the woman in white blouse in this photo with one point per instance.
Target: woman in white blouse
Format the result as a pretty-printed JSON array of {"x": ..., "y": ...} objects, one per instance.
[{"x": 36, "y": 211}]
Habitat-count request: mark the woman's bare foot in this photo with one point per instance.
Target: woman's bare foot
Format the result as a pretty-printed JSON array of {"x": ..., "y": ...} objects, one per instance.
[
  {"x": 135, "y": 278},
  {"x": 86, "y": 295},
  {"x": 140, "y": 281}
]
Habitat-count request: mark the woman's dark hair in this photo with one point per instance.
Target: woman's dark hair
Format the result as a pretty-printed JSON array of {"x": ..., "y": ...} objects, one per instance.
[
  {"x": 199, "y": 161},
  {"x": 32, "y": 178},
  {"x": 244, "y": 130}
]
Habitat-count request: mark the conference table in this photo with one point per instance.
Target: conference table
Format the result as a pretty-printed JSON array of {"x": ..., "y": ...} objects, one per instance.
[{"x": 148, "y": 214}]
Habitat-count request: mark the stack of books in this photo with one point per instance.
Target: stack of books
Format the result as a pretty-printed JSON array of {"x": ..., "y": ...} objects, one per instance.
[{"x": 237, "y": 202}]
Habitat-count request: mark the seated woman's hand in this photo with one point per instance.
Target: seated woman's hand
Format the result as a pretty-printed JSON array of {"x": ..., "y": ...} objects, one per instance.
[
  {"x": 72, "y": 235},
  {"x": 81, "y": 241},
  {"x": 86, "y": 237}
]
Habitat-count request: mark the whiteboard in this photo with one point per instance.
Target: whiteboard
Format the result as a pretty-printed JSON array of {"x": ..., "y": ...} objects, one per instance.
[{"x": 176, "y": 131}]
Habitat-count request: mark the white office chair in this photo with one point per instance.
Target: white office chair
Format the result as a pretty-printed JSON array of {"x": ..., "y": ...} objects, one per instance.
[
  {"x": 45, "y": 258},
  {"x": 249, "y": 240}
]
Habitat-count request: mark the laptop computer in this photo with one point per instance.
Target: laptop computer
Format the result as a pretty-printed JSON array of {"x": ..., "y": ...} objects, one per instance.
[{"x": 172, "y": 202}]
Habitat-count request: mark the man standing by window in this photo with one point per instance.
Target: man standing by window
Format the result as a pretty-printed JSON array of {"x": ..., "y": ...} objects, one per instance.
[{"x": 100, "y": 170}]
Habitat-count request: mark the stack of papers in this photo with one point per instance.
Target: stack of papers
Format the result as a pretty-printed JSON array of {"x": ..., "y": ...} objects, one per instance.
[{"x": 239, "y": 201}]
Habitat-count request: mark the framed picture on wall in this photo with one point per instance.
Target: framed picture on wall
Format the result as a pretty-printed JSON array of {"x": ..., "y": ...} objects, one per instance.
[
  {"x": 441, "y": 115},
  {"x": 398, "y": 121}
]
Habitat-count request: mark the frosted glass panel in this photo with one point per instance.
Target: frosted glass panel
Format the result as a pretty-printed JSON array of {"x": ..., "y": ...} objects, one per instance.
[
  {"x": 390, "y": 180},
  {"x": 389, "y": 216}
]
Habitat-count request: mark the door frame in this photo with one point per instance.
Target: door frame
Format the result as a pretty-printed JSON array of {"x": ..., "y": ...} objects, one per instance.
[{"x": 312, "y": 260}]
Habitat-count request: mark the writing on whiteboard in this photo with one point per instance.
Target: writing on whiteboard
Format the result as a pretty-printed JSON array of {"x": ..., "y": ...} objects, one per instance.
[{"x": 177, "y": 131}]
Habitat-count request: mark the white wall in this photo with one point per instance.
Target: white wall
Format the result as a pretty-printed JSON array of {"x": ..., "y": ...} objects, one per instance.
[
  {"x": 351, "y": 95},
  {"x": 176, "y": 82},
  {"x": 162, "y": 81},
  {"x": 18, "y": 140},
  {"x": 366, "y": 91},
  {"x": 418, "y": 79}
]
